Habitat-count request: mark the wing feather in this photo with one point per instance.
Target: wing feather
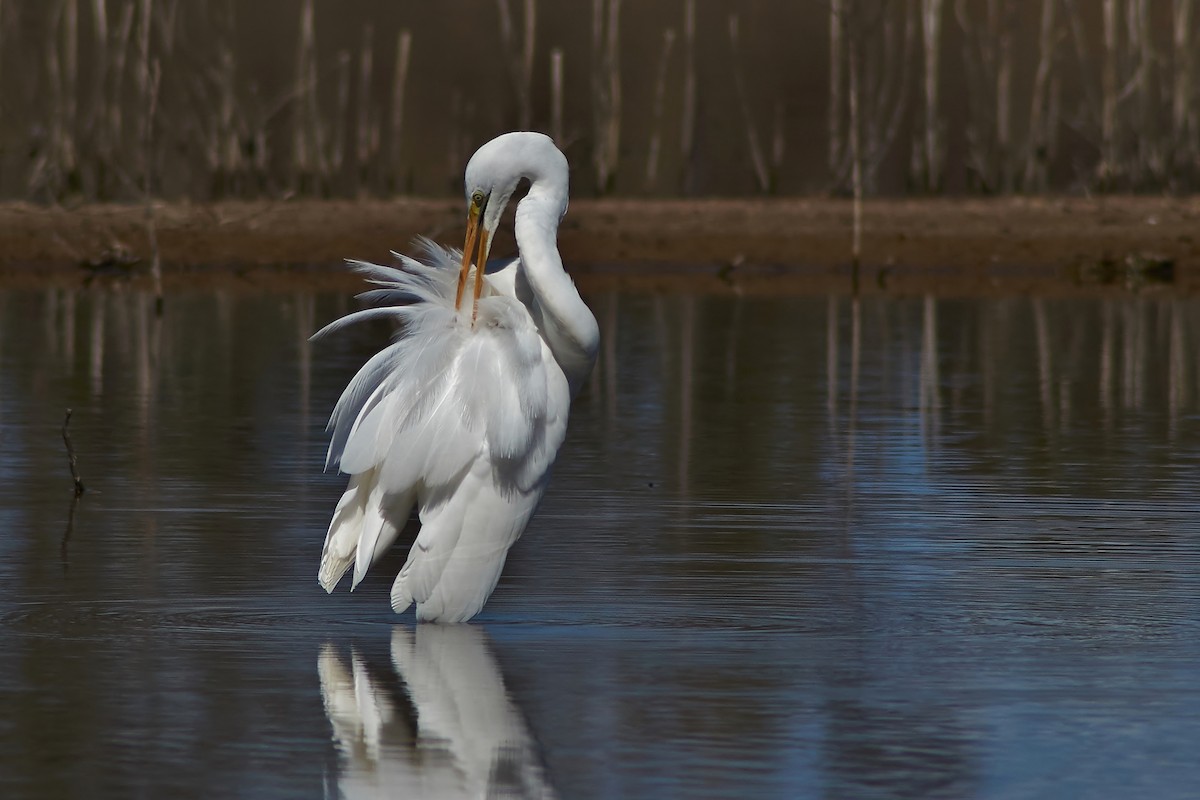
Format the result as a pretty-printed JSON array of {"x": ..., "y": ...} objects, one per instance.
[{"x": 463, "y": 419}]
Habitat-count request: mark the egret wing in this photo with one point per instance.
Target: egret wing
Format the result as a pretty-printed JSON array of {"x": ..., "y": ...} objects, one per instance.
[{"x": 462, "y": 418}]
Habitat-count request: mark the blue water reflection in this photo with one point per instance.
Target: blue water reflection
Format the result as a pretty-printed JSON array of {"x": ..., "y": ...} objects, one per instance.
[{"x": 910, "y": 547}]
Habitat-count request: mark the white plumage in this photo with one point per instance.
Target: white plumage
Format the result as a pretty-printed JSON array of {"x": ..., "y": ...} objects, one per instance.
[
  {"x": 468, "y": 740},
  {"x": 463, "y": 414}
]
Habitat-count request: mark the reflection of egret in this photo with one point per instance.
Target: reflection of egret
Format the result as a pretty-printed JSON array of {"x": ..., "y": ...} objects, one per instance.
[
  {"x": 463, "y": 415},
  {"x": 470, "y": 739}
]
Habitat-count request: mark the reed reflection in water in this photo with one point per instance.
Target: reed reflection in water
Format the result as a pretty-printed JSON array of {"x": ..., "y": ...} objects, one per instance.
[{"x": 904, "y": 546}]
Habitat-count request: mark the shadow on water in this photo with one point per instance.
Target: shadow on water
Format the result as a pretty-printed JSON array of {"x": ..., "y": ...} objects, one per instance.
[{"x": 794, "y": 546}]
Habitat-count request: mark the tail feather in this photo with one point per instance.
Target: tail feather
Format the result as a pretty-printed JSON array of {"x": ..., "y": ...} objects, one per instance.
[
  {"x": 456, "y": 561},
  {"x": 401, "y": 596},
  {"x": 363, "y": 528},
  {"x": 467, "y": 581},
  {"x": 341, "y": 541},
  {"x": 379, "y": 529}
]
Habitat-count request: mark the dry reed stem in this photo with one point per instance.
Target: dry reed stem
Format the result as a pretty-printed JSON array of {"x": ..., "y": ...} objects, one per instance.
[
  {"x": 367, "y": 127},
  {"x": 399, "y": 85},
  {"x": 307, "y": 137},
  {"x": 341, "y": 114},
  {"x": 778, "y": 144},
  {"x": 856, "y": 171},
  {"x": 70, "y": 82},
  {"x": 606, "y": 83},
  {"x": 1004, "y": 69},
  {"x": 124, "y": 35},
  {"x": 1148, "y": 163},
  {"x": 149, "y": 77},
  {"x": 687, "y": 139},
  {"x": 1128, "y": 88},
  {"x": 757, "y": 160},
  {"x": 836, "y": 60},
  {"x": 660, "y": 92},
  {"x": 933, "y": 156},
  {"x": 520, "y": 56},
  {"x": 71, "y": 460},
  {"x": 1038, "y": 144},
  {"x": 1108, "y": 115},
  {"x": 891, "y": 102},
  {"x": 1182, "y": 112},
  {"x": 3, "y": 48},
  {"x": 556, "y": 96},
  {"x": 530, "y": 19}
]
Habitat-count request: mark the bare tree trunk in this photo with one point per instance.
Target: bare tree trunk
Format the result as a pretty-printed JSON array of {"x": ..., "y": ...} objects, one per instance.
[
  {"x": 149, "y": 76},
  {"x": 660, "y": 91},
  {"x": 1038, "y": 146},
  {"x": 54, "y": 168},
  {"x": 1108, "y": 114},
  {"x": 757, "y": 160},
  {"x": 367, "y": 137},
  {"x": 341, "y": 114},
  {"x": 1149, "y": 164},
  {"x": 883, "y": 37},
  {"x": 1091, "y": 99},
  {"x": 856, "y": 172},
  {"x": 527, "y": 53},
  {"x": 975, "y": 63},
  {"x": 301, "y": 147},
  {"x": 227, "y": 155},
  {"x": 520, "y": 56},
  {"x": 454, "y": 149},
  {"x": 931, "y": 20},
  {"x": 606, "y": 83},
  {"x": 778, "y": 145},
  {"x": 1004, "y": 145},
  {"x": 988, "y": 65},
  {"x": 308, "y": 145},
  {"x": 1181, "y": 96},
  {"x": 70, "y": 79},
  {"x": 613, "y": 133},
  {"x": 212, "y": 126},
  {"x": 890, "y": 102},
  {"x": 100, "y": 29},
  {"x": 836, "y": 13},
  {"x": 44, "y": 165},
  {"x": 3, "y": 44},
  {"x": 599, "y": 163},
  {"x": 556, "y": 96},
  {"x": 687, "y": 144},
  {"x": 117, "y": 79},
  {"x": 399, "y": 83},
  {"x": 144, "y": 78}
]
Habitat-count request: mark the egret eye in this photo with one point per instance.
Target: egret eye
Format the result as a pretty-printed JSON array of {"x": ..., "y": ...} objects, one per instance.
[{"x": 477, "y": 198}]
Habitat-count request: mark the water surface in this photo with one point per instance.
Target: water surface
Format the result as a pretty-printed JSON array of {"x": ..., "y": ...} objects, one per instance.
[{"x": 794, "y": 547}]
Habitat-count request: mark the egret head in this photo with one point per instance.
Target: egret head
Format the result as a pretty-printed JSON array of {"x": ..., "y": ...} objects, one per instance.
[{"x": 492, "y": 176}]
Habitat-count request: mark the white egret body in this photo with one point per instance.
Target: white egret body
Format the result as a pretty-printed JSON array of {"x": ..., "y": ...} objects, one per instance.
[{"x": 463, "y": 414}]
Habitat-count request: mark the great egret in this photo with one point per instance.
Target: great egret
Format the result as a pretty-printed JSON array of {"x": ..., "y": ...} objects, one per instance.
[{"x": 464, "y": 413}]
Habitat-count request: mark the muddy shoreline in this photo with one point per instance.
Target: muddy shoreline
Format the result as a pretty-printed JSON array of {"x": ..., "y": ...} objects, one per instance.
[{"x": 946, "y": 246}]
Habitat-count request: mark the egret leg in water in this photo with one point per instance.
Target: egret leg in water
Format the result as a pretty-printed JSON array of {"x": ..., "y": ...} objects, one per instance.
[{"x": 463, "y": 414}]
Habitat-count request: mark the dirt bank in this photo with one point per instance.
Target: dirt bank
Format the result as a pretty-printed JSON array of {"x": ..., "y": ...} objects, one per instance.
[{"x": 945, "y": 245}]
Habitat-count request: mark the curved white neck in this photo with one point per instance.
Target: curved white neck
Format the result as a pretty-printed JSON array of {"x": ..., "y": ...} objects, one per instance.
[{"x": 564, "y": 320}]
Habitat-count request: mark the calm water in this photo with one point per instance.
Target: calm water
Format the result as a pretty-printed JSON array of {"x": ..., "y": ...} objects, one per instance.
[{"x": 794, "y": 548}]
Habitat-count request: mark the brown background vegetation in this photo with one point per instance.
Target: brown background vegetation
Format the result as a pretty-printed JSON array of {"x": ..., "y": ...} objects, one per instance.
[{"x": 106, "y": 99}]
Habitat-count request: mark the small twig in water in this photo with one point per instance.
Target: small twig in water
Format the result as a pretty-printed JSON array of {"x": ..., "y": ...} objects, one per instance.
[
  {"x": 66, "y": 435},
  {"x": 66, "y": 540}
]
